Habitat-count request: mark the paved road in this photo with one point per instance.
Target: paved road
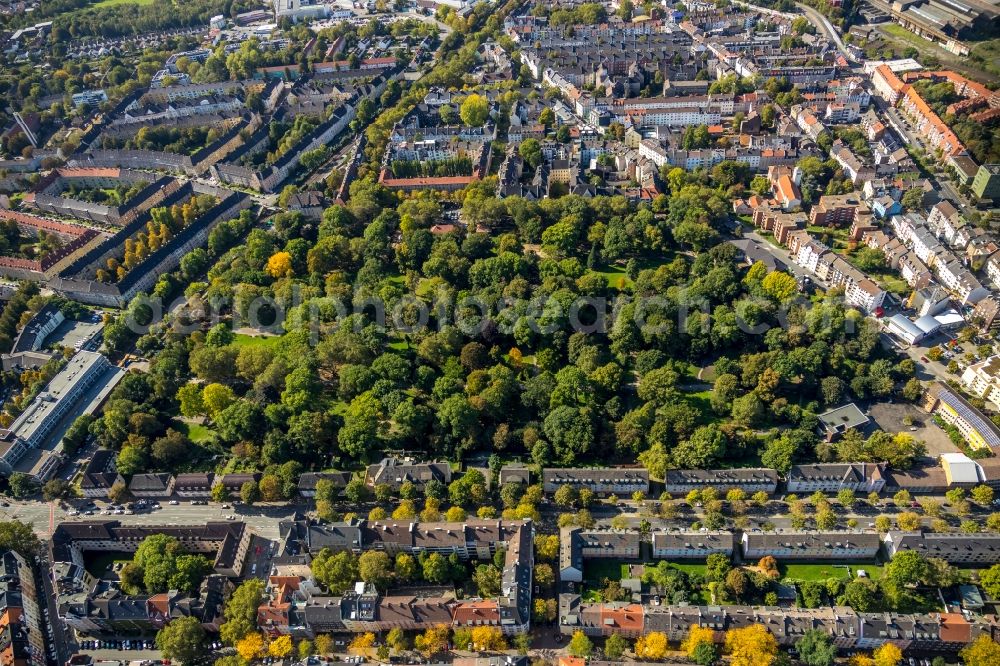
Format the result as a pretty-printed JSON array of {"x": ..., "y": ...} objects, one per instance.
[
  {"x": 902, "y": 127},
  {"x": 263, "y": 519}
]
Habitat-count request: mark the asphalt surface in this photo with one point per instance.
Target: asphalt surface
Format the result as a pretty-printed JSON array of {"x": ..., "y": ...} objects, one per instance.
[{"x": 42, "y": 516}]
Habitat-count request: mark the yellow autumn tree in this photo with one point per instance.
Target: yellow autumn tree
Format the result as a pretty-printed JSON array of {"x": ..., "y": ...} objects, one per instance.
[
  {"x": 405, "y": 511},
  {"x": 433, "y": 640},
  {"x": 652, "y": 646},
  {"x": 488, "y": 639},
  {"x": 779, "y": 285},
  {"x": 251, "y": 646},
  {"x": 984, "y": 651},
  {"x": 280, "y": 265},
  {"x": 696, "y": 636},
  {"x": 751, "y": 646},
  {"x": 280, "y": 647},
  {"x": 887, "y": 655},
  {"x": 363, "y": 642},
  {"x": 323, "y": 644},
  {"x": 860, "y": 660},
  {"x": 515, "y": 356}
]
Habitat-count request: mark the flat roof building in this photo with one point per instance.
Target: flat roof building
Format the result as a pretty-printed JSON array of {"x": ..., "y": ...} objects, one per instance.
[
  {"x": 955, "y": 410},
  {"x": 32, "y": 443},
  {"x": 836, "y": 422}
]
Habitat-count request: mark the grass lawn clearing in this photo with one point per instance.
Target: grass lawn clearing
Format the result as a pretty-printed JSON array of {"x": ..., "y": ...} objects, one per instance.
[
  {"x": 200, "y": 434},
  {"x": 872, "y": 571},
  {"x": 244, "y": 340},
  {"x": 689, "y": 567},
  {"x": 597, "y": 571},
  {"x": 615, "y": 277},
  {"x": 901, "y": 33},
  {"x": 813, "y": 572}
]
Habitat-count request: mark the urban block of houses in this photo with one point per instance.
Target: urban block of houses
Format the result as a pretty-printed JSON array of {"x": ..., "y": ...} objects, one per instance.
[
  {"x": 74, "y": 241},
  {"x": 22, "y": 621},
  {"x": 915, "y": 634},
  {"x": 297, "y": 606},
  {"x": 78, "y": 280},
  {"x": 91, "y": 605},
  {"x": 577, "y": 545}
]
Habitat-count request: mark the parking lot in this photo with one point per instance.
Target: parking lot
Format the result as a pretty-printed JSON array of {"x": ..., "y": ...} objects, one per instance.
[
  {"x": 890, "y": 416},
  {"x": 76, "y": 334}
]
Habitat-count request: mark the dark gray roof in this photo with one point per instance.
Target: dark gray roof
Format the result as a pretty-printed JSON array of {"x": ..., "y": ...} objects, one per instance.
[
  {"x": 595, "y": 475},
  {"x": 149, "y": 482},
  {"x": 804, "y": 540},
  {"x": 308, "y": 480},
  {"x": 949, "y": 547},
  {"x": 720, "y": 477},
  {"x": 195, "y": 481},
  {"x": 695, "y": 540}
]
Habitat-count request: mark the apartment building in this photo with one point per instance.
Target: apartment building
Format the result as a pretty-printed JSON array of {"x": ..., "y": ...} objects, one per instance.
[
  {"x": 151, "y": 485},
  {"x": 956, "y": 277},
  {"x": 609, "y": 544},
  {"x": 840, "y": 210},
  {"x": 195, "y": 485},
  {"x": 945, "y": 221},
  {"x": 887, "y": 84},
  {"x": 983, "y": 379},
  {"x": 308, "y": 480},
  {"x": 602, "y": 481},
  {"x": 233, "y": 483},
  {"x": 100, "y": 474},
  {"x": 791, "y": 546},
  {"x": 749, "y": 480},
  {"x": 394, "y": 472},
  {"x": 692, "y": 545},
  {"x": 852, "y": 165},
  {"x": 833, "y": 477},
  {"x": 979, "y": 431},
  {"x": 977, "y": 549},
  {"x": 865, "y": 295}
]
